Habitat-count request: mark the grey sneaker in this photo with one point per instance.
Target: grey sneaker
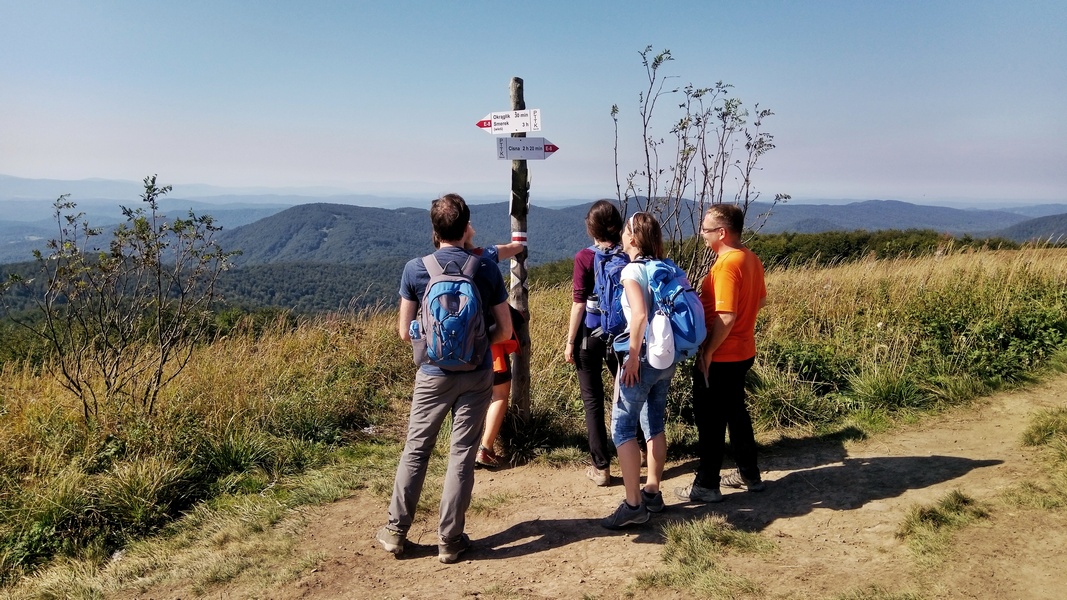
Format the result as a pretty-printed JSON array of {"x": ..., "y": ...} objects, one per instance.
[
  {"x": 391, "y": 541},
  {"x": 625, "y": 515},
  {"x": 735, "y": 479},
  {"x": 600, "y": 477},
  {"x": 652, "y": 502},
  {"x": 697, "y": 493},
  {"x": 448, "y": 552}
]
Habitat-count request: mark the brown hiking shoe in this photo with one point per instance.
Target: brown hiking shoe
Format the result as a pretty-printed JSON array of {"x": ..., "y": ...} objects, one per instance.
[
  {"x": 734, "y": 479},
  {"x": 487, "y": 458},
  {"x": 600, "y": 477}
]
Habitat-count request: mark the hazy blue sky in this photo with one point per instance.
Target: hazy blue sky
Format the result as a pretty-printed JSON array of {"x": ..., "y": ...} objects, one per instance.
[{"x": 925, "y": 101}]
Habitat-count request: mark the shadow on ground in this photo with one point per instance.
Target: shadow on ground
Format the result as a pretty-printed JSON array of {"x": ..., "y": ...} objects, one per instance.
[{"x": 821, "y": 476}]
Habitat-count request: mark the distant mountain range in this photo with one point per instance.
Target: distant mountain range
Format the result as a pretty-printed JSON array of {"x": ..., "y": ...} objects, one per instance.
[
  {"x": 344, "y": 233},
  {"x": 873, "y": 215},
  {"x": 317, "y": 253}
]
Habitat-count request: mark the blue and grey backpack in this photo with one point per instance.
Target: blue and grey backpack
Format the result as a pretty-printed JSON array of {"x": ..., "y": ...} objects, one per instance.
[
  {"x": 675, "y": 298},
  {"x": 452, "y": 321}
]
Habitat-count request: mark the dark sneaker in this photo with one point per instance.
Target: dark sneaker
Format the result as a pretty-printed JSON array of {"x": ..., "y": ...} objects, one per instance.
[
  {"x": 697, "y": 493},
  {"x": 448, "y": 552},
  {"x": 600, "y": 477},
  {"x": 734, "y": 479},
  {"x": 652, "y": 502},
  {"x": 625, "y": 515},
  {"x": 391, "y": 541},
  {"x": 486, "y": 458}
]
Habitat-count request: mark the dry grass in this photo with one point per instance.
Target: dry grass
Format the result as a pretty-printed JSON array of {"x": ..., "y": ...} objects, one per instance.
[
  {"x": 691, "y": 556},
  {"x": 260, "y": 425},
  {"x": 928, "y": 529},
  {"x": 1048, "y": 432}
]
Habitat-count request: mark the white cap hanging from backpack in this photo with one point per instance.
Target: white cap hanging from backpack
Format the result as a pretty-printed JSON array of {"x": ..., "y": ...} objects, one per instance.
[{"x": 660, "y": 342}]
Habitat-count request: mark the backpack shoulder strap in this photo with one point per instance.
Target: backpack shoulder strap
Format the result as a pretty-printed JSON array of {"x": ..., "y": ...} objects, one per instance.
[
  {"x": 656, "y": 284},
  {"x": 470, "y": 267},
  {"x": 433, "y": 266}
]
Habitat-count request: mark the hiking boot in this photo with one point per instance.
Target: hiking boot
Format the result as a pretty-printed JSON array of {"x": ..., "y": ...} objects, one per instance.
[
  {"x": 734, "y": 479},
  {"x": 391, "y": 541},
  {"x": 653, "y": 502},
  {"x": 698, "y": 493},
  {"x": 600, "y": 477},
  {"x": 486, "y": 458},
  {"x": 448, "y": 552},
  {"x": 626, "y": 515}
]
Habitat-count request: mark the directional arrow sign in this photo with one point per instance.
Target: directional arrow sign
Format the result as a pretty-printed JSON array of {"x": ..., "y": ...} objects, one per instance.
[
  {"x": 524, "y": 148},
  {"x": 512, "y": 121}
]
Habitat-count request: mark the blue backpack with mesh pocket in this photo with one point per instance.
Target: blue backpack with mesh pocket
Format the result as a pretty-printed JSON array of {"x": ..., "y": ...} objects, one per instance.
[
  {"x": 674, "y": 298},
  {"x": 451, "y": 316}
]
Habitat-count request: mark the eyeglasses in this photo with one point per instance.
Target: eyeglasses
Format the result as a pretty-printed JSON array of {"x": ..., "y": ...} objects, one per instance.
[{"x": 707, "y": 230}]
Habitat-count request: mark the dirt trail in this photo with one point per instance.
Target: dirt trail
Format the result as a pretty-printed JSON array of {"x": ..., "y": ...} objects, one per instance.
[{"x": 831, "y": 507}]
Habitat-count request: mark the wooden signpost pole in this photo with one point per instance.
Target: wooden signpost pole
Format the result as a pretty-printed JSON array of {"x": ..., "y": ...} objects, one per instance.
[{"x": 518, "y": 294}]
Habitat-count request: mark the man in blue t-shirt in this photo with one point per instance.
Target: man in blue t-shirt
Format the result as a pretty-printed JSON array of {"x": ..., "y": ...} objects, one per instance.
[{"x": 466, "y": 395}]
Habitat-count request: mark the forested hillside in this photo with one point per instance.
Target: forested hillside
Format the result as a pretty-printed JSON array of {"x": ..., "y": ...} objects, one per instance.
[
  {"x": 873, "y": 215},
  {"x": 1051, "y": 229},
  {"x": 313, "y": 287},
  {"x": 321, "y": 257},
  {"x": 343, "y": 234}
]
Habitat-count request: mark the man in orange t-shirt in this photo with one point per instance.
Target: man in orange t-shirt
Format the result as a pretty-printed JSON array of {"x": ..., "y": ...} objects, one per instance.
[{"x": 732, "y": 295}]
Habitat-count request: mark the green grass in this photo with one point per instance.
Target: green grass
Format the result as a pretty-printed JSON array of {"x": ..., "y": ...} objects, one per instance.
[
  {"x": 691, "y": 556},
  {"x": 1046, "y": 428},
  {"x": 928, "y": 529},
  {"x": 1048, "y": 431},
  {"x": 234, "y": 536}
]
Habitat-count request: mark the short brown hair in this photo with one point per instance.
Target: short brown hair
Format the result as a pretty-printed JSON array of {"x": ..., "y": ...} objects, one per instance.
[
  {"x": 647, "y": 235},
  {"x": 450, "y": 216},
  {"x": 730, "y": 215},
  {"x": 604, "y": 222}
]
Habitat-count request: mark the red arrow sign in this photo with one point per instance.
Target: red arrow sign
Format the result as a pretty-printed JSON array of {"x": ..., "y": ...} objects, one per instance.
[
  {"x": 524, "y": 148},
  {"x": 515, "y": 121}
]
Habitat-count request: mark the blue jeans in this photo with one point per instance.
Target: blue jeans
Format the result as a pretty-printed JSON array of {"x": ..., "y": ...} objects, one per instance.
[{"x": 644, "y": 404}]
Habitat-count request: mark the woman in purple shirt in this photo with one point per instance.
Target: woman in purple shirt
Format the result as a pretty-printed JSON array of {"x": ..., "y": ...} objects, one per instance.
[{"x": 589, "y": 354}]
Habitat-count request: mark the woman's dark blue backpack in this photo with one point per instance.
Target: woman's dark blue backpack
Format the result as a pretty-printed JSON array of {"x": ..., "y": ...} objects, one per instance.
[{"x": 607, "y": 321}]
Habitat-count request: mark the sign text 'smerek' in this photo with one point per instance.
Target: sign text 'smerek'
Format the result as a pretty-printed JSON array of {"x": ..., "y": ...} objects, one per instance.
[{"x": 514, "y": 121}]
